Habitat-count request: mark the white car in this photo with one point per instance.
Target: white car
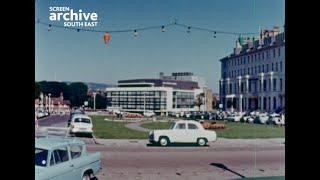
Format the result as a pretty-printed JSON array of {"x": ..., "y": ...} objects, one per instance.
[
  {"x": 276, "y": 119},
  {"x": 81, "y": 123},
  {"x": 262, "y": 118},
  {"x": 234, "y": 117},
  {"x": 183, "y": 132},
  {"x": 149, "y": 113}
]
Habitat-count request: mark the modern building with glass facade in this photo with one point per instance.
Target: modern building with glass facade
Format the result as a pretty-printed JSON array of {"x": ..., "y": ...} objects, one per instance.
[
  {"x": 253, "y": 76},
  {"x": 157, "y": 95}
]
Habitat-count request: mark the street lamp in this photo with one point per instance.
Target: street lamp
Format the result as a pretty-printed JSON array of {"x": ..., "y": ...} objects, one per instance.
[
  {"x": 94, "y": 100},
  {"x": 144, "y": 102},
  {"x": 49, "y": 102}
]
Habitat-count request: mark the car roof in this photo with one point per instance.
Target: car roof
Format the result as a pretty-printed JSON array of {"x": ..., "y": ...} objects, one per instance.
[
  {"x": 186, "y": 121},
  {"x": 49, "y": 143},
  {"x": 80, "y": 116}
]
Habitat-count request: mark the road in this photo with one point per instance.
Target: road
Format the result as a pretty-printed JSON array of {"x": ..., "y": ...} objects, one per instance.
[{"x": 224, "y": 159}]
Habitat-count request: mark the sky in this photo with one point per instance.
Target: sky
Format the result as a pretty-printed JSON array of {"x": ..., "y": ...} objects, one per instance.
[{"x": 68, "y": 55}]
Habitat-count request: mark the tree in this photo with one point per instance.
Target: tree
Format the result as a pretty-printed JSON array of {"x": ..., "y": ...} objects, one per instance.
[
  {"x": 37, "y": 89},
  {"x": 101, "y": 102},
  {"x": 199, "y": 100},
  {"x": 55, "y": 88},
  {"x": 78, "y": 93}
]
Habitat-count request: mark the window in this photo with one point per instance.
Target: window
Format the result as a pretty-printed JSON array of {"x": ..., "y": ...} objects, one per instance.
[
  {"x": 192, "y": 126},
  {"x": 82, "y": 120},
  {"x": 249, "y": 71},
  {"x": 267, "y": 67},
  {"x": 262, "y": 68},
  {"x": 75, "y": 151},
  {"x": 262, "y": 55},
  {"x": 277, "y": 67},
  {"x": 279, "y": 51},
  {"x": 274, "y": 84},
  {"x": 272, "y": 67},
  {"x": 280, "y": 84},
  {"x": 280, "y": 66},
  {"x": 269, "y": 84},
  {"x": 61, "y": 155},
  {"x": 255, "y": 70},
  {"x": 255, "y": 58},
  {"x": 274, "y": 52},
  {"x": 259, "y": 69},
  {"x": 274, "y": 103},
  {"x": 264, "y": 85},
  {"x": 230, "y": 87},
  {"x": 181, "y": 126},
  {"x": 259, "y": 56},
  {"x": 41, "y": 156},
  {"x": 249, "y": 86},
  {"x": 264, "y": 103},
  {"x": 252, "y": 58}
]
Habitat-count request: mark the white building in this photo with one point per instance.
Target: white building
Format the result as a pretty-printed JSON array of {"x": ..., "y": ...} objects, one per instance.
[
  {"x": 253, "y": 76},
  {"x": 186, "y": 76},
  {"x": 157, "y": 95}
]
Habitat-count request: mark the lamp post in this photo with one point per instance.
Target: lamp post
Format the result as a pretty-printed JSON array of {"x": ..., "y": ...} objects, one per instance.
[
  {"x": 49, "y": 102},
  {"x": 94, "y": 100},
  {"x": 144, "y": 102}
]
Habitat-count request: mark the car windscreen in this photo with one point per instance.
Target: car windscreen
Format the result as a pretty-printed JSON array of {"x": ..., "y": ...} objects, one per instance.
[
  {"x": 41, "y": 156},
  {"x": 82, "y": 120}
]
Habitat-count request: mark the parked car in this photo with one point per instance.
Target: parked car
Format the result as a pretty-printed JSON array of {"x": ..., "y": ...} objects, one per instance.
[
  {"x": 63, "y": 158},
  {"x": 276, "y": 119},
  {"x": 183, "y": 132},
  {"x": 40, "y": 114},
  {"x": 149, "y": 113},
  {"x": 234, "y": 117},
  {"x": 81, "y": 124},
  {"x": 262, "y": 118}
]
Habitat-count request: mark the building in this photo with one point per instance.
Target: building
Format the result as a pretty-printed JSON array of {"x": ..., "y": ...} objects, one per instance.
[
  {"x": 253, "y": 76},
  {"x": 52, "y": 104},
  {"x": 161, "y": 95},
  {"x": 185, "y": 76}
]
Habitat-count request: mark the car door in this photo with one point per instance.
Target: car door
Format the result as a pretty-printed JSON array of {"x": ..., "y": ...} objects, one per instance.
[
  {"x": 60, "y": 166},
  {"x": 76, "y": 160},
  {"x": 180, "y": 133},
  {"x": 192, "y": 132}
]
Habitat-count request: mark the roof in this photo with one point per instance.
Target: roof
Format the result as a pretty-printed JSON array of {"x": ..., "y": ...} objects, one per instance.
[
  {"x": 80, "y": 116},
  {"x": 49, "y": 143}
]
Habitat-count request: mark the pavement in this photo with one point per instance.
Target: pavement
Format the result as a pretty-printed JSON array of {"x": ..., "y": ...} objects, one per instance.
[
  {"x": 136, "y": 126},
  {"x": 223, "y": 159}
]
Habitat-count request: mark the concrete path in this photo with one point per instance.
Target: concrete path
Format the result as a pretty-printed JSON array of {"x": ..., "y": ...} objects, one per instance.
[{"x": 136, "y": 126}]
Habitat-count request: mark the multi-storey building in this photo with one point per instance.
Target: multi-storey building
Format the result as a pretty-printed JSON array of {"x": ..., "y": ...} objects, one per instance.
[
  {"x": 253, "y": 76},
  {"x": 158, "y": 95}
]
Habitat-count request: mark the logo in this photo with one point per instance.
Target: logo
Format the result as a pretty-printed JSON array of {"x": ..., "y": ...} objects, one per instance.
[{"x": 73, "y": 18}]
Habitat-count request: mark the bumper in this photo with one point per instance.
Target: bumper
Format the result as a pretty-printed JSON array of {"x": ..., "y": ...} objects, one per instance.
[{"x": 81, "y": 131}]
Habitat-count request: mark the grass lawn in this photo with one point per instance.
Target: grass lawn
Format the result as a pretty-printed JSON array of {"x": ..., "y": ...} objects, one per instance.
[
  {"x": 114, "y": 130},
  {"x": 235, "y": 130},
  {"x": 157, "y": 125}
]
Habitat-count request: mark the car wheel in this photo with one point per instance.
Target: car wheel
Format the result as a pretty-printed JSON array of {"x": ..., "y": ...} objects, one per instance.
[
  {"x": 86, "y": 177},
  {"x": 164, "y": 141},
  {"x": 202, "y": 142}
]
